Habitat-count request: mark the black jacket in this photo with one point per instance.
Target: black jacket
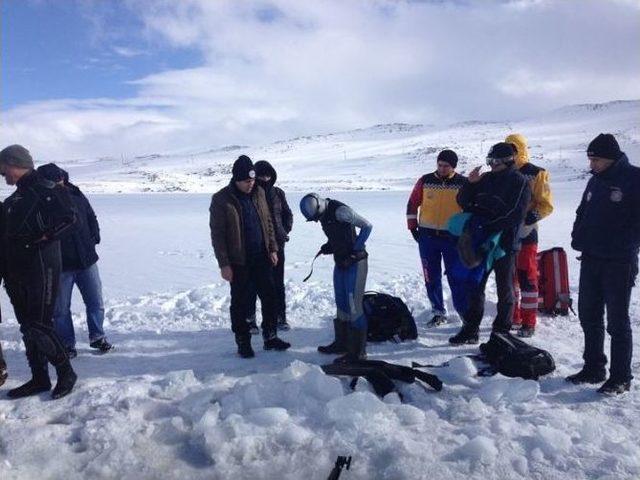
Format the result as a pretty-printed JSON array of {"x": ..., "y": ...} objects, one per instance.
[
  {"x": 79, "y": 244},
  {"x": 341, "y": 236},
  {"x": 280, "y": 212},
  {"x": 501, "y": 199},
  {"x": 36, "y": 215},
  {"x": 607, "y": 221}
]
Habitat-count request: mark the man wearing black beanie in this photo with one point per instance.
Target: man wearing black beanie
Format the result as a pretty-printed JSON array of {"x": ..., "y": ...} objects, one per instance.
[
  {"x": 245, "y": 246},
  {"x": 607, "y": 232},
  {"x": 431, "y": 204},
  {"x": 498, "y": 202}
]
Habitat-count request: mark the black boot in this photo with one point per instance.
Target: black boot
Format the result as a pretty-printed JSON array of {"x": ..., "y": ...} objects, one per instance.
[
  {"x": 244, "y": 346},
  {"x": 464, "y": 336},
  {"x": 40, "y": 381},
  {"x": 275, "y": 343},
  {"x": 339, "y": 345},
  {"x": 66, "y": 380},
  {"x": 356, "y": 346},
  {"x": 3, "y": 368},
  {"x": 614, "y": 387},
  {"x": 588, "y": 375}
]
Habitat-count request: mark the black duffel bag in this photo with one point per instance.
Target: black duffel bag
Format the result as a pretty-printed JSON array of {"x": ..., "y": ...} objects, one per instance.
[{"x": 512, "y": 357}]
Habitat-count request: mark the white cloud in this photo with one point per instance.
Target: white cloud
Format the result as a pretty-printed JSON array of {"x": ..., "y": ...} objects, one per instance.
[{"x": 281, "y": 68}]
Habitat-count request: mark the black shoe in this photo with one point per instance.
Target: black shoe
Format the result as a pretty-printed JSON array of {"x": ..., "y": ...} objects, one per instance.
[
  {"x": 587, "y": 376},
  {"x": 3, "y": 374},
  {"x": 32, "y": 387},
  {"x": 66, "y": 380},
  {"x": 334, "y": 348},
  {"x": 436, "y": 320},
  {"x": 245, "y": 350},
  {"x": 526, "y": 332},
  {"x": 464, "y": 337},
  {"x": 72, "y": 353},
  {"x": 102, "y": 345},
  {"x": 613, "y": 387},
  {"x": 276, "y": 343}
]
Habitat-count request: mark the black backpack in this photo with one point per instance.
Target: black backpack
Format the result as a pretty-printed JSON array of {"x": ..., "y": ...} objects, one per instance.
[
  {"x": 388, "y": 318},
  {"x": 512, "y": 357}
]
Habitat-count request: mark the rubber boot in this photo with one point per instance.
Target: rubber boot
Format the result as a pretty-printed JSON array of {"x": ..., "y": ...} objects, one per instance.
[
  {"x": 339, "y": 344},
  {"x": 66, "y": 380},
  {"x": 39, "y": 382},
  {"x": 356, "y": 346}
]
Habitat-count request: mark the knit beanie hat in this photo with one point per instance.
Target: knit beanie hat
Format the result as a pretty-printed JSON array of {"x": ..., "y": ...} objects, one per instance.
[
  {"x": 51, "y": 171},
  {"x": 243, "y": 169},
  {"x": 448, "y": 156},
  {"x": 501, "y": 151},
  {"x": 16, "y": 155},
  {"x": 604, "y": 146}
]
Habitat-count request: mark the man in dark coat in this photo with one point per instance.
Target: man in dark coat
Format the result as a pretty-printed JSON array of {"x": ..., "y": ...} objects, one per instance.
[
  {"x": 498, "y": 200},
  {"x": 80, "y": 268},
  {"x": 282, "y": 219},
  {"x": 607, "y": 232},
  {"x": 3, "y": 364},
  {"x": 245, "y": 247},
  {"x": 36, "y": 215}
]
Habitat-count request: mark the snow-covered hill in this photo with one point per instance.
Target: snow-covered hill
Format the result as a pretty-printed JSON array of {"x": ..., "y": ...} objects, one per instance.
[{"x": 377, "y": 158}]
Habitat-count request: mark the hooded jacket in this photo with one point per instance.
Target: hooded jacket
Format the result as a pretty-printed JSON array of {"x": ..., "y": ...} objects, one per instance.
[
  {"x": 79, "y": 246},
  {"x": 541, "y": 204},
  {"x": 281, "y": 214},
  {"x": 607, "y": 224}
]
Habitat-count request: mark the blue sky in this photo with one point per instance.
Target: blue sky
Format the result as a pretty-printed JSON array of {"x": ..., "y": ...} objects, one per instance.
[{"x": 111, "y": 77}]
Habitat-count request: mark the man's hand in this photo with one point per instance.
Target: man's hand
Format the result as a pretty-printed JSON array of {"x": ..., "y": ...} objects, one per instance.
[
  {"x": 326, "y": 249},
  {"x": 274, "y": 258},
  {"x": 475, "y": 175},
  {"x": 227, "y": 273},
  {"x": 416, "y": 234}
]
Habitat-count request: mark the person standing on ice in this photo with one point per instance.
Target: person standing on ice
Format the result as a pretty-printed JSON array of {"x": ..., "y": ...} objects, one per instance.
[
  {"x": 36, "y": 215},
  {"x": 245, "y": 247},
  {"x": 79, "y": 267},
  {"x": 526, "y": 277},
  {"x": 434, "y": 196},
  {"x": 3, "y": 363},
  {"x": 282, "y": 219},
  {"x": 498, "y": 202},
  {"x": 339, "y": 223},
  {"x": 607, "y": 232}
]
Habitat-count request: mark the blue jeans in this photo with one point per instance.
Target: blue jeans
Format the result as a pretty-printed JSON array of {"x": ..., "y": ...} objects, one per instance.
[
  {"x": 90, "y": 286},
  {"x": 433, "y": 251}
]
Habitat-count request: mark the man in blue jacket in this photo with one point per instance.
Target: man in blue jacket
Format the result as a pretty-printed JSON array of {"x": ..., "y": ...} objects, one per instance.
[
  {"x": 79, "y": 267},
  {"x": 607, "y": 232}
]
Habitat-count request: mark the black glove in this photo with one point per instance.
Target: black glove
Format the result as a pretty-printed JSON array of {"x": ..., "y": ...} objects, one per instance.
[
  {"x": 326, "y": 249},
  {"x": 416, "y": 234},
  {"x": 354, "y": 257}
]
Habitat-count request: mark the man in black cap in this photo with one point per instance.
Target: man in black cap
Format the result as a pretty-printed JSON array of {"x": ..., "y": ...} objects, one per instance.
[
  {"x": 498, "y": 201},
  {"x": 36, "y": 215},
  {"x": 282, "y": 219},
  {"x": 434, "y": 197},
  {"x": 245, "y": 246},
  {"x": 607, "y": 232}
]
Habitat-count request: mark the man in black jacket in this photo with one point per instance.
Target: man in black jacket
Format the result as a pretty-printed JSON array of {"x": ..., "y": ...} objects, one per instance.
[
  {"x": 499, "y": 199},
  {"x": 3, "y": 364},
  {"x": 36, "y": 215},
  {"x": 79, "y": 267},
  {"x": 607, "y": 232},
  {"x": 282, "y": 218}
]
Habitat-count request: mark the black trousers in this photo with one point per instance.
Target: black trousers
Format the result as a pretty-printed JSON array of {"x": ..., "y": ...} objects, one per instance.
[
  {"x": 606, "y": 283},
  {"x": 504, "y": 269},
  {"x": 278, "y": 281},
  {"x": 256, "y": 274},
  {"x": 32, "y": 291}
]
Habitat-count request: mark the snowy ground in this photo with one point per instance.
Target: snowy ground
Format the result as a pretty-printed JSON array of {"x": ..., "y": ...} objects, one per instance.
[{"x": 174, "y": 401}]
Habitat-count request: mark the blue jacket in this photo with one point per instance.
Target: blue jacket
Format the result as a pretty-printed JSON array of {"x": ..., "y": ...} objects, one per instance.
[{"x": 607, "y": 221}]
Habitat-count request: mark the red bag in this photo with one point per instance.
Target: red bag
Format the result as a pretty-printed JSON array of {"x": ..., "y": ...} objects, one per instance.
[{"x": 553, "y": 282}]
